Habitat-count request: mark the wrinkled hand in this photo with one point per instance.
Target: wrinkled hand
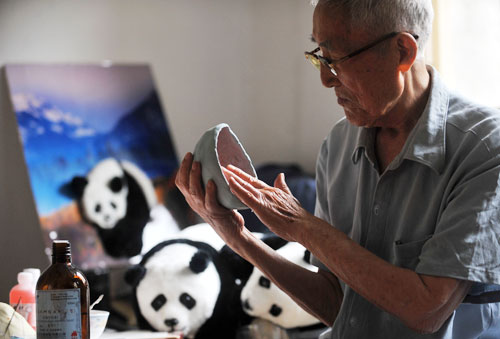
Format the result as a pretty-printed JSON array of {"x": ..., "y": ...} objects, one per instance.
[
  {"x": 275, "y": 206},
  {"x": 227, "y": 223}
]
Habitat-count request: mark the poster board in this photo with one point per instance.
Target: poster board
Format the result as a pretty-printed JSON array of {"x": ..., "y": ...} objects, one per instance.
[{"x": 72, "y": 117}]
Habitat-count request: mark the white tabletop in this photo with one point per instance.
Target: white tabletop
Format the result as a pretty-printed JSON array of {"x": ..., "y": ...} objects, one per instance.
[{"x": 139, "y": 335}]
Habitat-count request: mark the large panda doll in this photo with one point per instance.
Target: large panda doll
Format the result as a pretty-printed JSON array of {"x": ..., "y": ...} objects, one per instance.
[{"x": 188, "y": 286}]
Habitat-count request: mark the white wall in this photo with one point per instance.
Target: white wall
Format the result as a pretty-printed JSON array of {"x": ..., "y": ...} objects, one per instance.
[{"x": 234, "y": 61}]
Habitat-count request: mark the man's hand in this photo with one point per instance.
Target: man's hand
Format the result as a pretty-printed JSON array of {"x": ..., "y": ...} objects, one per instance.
[
  {"x": 227, "y": 223},
  {"x": 275, "y": 206}
]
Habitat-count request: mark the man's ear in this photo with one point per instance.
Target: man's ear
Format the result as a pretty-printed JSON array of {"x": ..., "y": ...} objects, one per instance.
[{"x": 408, "y": 50}]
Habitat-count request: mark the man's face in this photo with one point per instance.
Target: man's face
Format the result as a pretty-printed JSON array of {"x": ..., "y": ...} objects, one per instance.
[{"x": 368, "y": 85}]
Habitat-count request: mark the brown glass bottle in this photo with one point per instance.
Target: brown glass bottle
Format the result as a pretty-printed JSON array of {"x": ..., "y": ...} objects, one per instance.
[{"x": 62, "y": 298}]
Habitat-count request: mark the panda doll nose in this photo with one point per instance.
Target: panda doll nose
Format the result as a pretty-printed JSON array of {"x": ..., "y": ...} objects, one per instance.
[
  {"x": 246, "y": 305},
  {"x": 171, "y": 322}
]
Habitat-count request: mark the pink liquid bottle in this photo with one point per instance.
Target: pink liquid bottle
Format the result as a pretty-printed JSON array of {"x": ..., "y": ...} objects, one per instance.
[{"x": 22, "y": 296}]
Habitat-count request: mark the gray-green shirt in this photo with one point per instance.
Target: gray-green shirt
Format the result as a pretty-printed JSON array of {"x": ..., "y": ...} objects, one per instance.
[{"x": 434, "y": 210}]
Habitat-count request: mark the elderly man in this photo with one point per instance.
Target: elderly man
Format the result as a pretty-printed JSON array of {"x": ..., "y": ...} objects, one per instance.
[{"x": 406, "y": 229}]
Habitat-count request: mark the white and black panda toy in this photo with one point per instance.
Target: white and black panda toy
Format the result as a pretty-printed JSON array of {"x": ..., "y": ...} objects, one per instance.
[
  {"x": 118, "y": 198},
  {"x": 187, "y": 286},
  {"x": 264, "y": 300}
]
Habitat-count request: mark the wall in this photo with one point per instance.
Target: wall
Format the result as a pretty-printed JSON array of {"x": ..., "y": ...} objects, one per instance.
[{"x": 234, "y": 61}]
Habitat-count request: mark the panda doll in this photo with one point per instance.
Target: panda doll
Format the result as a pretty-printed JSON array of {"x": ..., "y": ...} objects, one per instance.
[
  {"x": 117, "y": 198},
  {"x": 188, "y": 287},
  {"x": 265, "y": 301}
]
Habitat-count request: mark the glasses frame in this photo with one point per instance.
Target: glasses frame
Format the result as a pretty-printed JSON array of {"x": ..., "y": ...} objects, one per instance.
[{"x": 316, "y": 60}]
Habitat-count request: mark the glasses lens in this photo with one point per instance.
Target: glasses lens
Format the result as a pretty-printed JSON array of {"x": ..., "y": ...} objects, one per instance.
[{"x": 314, "y": 61}]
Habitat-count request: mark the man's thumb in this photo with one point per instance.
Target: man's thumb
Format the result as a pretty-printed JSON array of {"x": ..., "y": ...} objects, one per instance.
[{"x": 280, "y": 183}]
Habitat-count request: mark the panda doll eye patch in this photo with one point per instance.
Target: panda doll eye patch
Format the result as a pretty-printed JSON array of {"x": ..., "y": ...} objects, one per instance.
[
  {"x": 264, "y": 282},
  {"x": 158, "y": 302},
  {"x": 187, "y": 301},
  {"x": 116, "y": 184},
  {"x": 275, "y": 310}
]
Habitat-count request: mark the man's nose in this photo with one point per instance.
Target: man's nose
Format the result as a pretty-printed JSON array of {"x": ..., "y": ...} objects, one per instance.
[{"x": 328, "y": 79}]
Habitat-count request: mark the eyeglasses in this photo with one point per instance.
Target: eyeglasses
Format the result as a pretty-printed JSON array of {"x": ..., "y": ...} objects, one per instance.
[{"x": 316, "y": 60}]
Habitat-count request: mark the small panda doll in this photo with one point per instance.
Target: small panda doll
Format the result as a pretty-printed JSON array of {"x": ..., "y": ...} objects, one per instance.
[
  {"x": 117, "y": 198},
  {"x": 264, "y": 300},
  {"x": 187, "y": 286}
]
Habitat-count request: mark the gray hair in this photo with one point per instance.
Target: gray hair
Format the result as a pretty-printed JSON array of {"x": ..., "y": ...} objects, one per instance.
[{"x": 386, "y": 16}]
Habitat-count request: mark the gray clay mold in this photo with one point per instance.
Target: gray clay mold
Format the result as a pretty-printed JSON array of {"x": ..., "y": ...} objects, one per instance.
[{"x": 217, "y": 147}]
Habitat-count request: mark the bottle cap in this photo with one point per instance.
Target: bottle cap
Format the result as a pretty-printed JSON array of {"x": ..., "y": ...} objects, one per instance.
[
  {"x": 25, "y": 278},
  {"x": 61, "y": 247},
  {"x": 35, "y": 272}
]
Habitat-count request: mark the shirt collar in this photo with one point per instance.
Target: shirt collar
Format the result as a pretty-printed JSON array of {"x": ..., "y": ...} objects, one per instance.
[{"x": 426, "y": 142}]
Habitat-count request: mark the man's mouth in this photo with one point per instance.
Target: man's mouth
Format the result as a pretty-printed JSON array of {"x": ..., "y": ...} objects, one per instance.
[{"x": 342, "y": 101}]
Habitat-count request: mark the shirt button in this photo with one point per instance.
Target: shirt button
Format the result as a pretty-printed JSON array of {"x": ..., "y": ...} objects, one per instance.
[
  {"x": 353, "y": 321},
  {"x": 376, "y": 209}
]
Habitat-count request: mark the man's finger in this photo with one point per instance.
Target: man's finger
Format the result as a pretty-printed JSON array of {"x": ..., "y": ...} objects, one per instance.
[
  {"x": 195, "y": 179},
  {"x": 244, "y": 191},
  {"x": 182, "y": 178},
  {"x": 280, "y": 183},
  {"x": 227, "y": 173},
  {"x": 211, "y": 201},
  {"x": 247, "y": 177}
]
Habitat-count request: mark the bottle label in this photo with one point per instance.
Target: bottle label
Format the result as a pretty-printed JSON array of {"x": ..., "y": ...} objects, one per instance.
[{"x": 58, "y": 314}]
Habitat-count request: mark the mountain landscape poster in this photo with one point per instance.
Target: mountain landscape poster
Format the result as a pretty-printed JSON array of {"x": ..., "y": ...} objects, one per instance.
[{"x": 70, "y": 118}]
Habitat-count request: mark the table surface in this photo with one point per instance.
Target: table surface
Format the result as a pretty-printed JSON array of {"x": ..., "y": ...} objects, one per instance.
[{"x": 109, "y": 334}]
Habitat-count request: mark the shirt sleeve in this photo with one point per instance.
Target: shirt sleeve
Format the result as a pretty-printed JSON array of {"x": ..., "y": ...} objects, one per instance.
[
  {"x": 321, "y": 207},
  {"x": 466, "y": 242}
]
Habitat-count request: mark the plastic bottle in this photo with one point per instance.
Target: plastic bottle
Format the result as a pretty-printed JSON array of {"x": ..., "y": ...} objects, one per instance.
[
  {"x": 36, "y": 274},
  {"x": 62, "y": 298},
  {"x": 23, "y": 296}
]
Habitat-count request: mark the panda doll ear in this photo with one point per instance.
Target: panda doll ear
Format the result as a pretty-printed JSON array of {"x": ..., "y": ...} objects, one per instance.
[
  {"x": 199, "y": 262},
  {"x": 134, "y": 275},
  {"x": 273, "y": 241},
  {"x": 307, "y": 256}
]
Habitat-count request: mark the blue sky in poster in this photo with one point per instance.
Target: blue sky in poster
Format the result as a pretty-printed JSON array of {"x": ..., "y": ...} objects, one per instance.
[
  {"x": 72, "y": 116},
  {"x": 99, "y": 94}
]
